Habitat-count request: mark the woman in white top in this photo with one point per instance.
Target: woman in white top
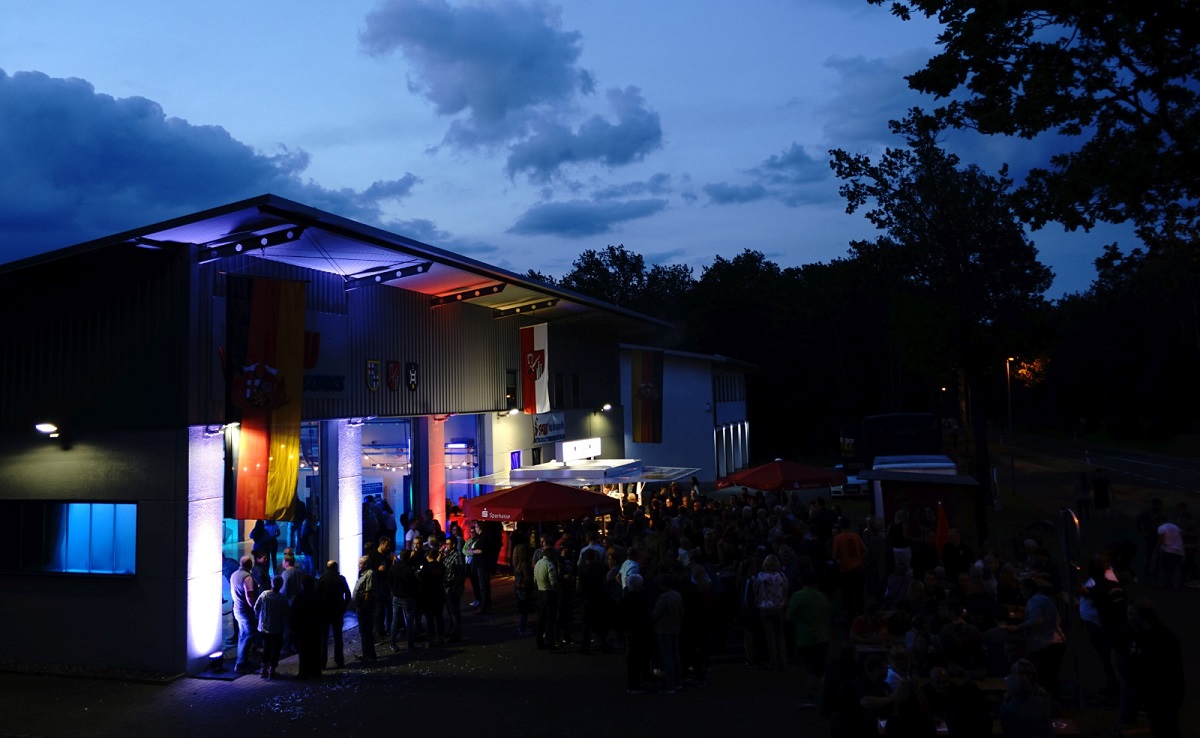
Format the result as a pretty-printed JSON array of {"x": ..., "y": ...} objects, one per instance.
[{"x": 771, "y": 596}]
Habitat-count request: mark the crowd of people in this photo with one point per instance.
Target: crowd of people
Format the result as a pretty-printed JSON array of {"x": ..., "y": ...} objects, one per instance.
[{"x": 921, "y": 615}]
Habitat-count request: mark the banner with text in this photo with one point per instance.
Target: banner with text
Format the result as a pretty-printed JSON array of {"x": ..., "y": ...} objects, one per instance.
[{"x": 549, "y": 428}]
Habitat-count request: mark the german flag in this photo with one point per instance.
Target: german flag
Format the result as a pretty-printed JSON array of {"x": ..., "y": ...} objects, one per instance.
[
  {"x": 647, "y": 401},
  {"x": 264, "y": 367}
]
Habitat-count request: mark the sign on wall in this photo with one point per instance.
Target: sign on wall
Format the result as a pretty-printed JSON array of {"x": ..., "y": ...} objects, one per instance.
[{"x": 549, "y": 428}]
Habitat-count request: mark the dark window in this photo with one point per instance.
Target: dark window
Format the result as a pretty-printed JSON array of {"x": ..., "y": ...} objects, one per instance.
[
  {"x": 68, "y": 537},
  {"x": 559, "y": 399},
  {"x": 510, "y": 389},
  {"x": 574, "y": 390}
]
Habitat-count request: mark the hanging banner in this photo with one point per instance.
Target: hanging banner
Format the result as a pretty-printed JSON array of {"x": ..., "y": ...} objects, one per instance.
[
  {"x": 264, "y": 361},
  {"x": 647, "y": 401},
  {"x": 535, "y": 380}
]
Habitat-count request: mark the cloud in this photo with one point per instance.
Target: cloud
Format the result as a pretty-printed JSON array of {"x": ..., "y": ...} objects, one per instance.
[
  {"x": 870, "y": 93},
  {"x": 636, "y": 133},
  {"x": 77, "y": 165},
  {"x": 395, "y": 189},
  {"x": 723, "y": 193},
  {"x": 582, "y": 218},
  {"x": 793, "y": 177},
  {"x": 496, "y": 65},
  {"x": 658, "y": 184}
]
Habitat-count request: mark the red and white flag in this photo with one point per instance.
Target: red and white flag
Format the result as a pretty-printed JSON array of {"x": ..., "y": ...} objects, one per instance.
[{"x": 535, "y": 381}]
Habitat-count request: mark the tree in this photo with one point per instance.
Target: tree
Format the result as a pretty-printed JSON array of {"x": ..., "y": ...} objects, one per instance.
[
  {"x": 1120, "y": 80},
  {"x": 537, "y": 276},
  {"x": 967, "y": 271},
  {"x": 615, "y": 275}
]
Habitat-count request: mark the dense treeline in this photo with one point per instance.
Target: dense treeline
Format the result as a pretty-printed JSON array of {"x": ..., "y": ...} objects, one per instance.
[{"x": 839, "y": 340}]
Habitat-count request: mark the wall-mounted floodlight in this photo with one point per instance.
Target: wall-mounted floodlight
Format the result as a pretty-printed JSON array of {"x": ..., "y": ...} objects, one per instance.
[
  {"x": 48, "y": 428},
  {"x": 604, "y": 408},
  {"x": 506, "y": 413}
]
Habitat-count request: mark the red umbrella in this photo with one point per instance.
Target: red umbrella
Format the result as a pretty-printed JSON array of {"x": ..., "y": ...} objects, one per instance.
[
  {"x": 540, "y": 502},
  {"x": 779, "y": 475}
]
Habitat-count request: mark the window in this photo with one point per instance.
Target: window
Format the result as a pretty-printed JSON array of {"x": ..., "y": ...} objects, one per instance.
[{"x": 68, "y": 537}]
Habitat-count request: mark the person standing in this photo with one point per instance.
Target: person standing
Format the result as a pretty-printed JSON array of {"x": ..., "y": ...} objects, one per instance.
[
  {"x": 667, "y": 617},
  {"x": 382, "y": 556},
  {"x": 432, "y": 577},
  {"x": 639, "y": 633},
  {"x": 594, "y": 598},
  {"x": 1046, "y": 644},
  {"x": 292, "y": 586},
  {"x": 244, "y": 591},
  {"x": 272, "y": 612},
  {"x": 405, "y": 590},
  {"x": 335, "y": 597},
  {"x": 771, "y": 598},
  {"x": 455, "y": 584},
  {"x": 1169, "y": 550},
  {"x": 364, "y": 606},
  {"x": 306, "y": 622},
  {"x": 545, "y": 577},
  {"x": 850, "y": 553},
  {"x": 482, "y": 562},
  {"x": 1154, "y": 662},
  {"x": 810, "y": 612}
]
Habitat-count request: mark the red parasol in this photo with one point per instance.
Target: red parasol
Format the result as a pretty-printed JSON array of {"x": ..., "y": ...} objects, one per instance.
[
  {"x": 540, "y": 502},
  {"x": 779, "y": 475}
]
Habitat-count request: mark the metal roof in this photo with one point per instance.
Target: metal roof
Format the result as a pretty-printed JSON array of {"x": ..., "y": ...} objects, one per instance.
[{"x": 281, "y": 230}]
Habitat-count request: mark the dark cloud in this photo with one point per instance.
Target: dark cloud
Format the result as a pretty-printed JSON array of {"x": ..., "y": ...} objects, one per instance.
[
  {"x": 77, "y": 165},
  {"x": 496, "y": 64},
  {"x": 870, "y": 93},
  {"x": 723, "y": 193},
  {"x": 636, "y": 133},
  {"x": 395, "y": 189},
  {"x": 658, "y": 184},
  {"x": 582, "y": 218},
  {"x": 793, "y": 177}
]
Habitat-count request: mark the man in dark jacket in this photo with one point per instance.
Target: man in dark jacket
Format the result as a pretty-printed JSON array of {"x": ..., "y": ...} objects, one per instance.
[{"x": 334, "y": 593}]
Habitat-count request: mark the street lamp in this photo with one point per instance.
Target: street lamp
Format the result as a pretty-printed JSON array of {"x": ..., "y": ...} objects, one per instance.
[{"x": 1008, "y": 382}]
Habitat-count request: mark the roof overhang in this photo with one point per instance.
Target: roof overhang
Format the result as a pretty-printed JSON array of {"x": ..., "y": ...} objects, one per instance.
[{"x": 276, "y": 229}]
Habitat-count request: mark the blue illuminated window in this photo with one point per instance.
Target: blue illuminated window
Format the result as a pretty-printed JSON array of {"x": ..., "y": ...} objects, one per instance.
[{"x": 68, "y": 537}]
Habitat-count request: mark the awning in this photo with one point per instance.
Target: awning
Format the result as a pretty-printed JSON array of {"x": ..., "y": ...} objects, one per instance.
[{"x": 645, "y": 474}]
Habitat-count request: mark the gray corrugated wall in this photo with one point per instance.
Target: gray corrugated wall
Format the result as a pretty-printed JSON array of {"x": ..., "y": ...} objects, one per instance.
[
  {"x": 95, "y": 341},
  {"x": 461, "y": 352}
]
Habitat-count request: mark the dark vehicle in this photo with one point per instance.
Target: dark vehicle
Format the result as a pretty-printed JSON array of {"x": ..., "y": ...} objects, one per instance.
[{"x": 891, "y": 434}]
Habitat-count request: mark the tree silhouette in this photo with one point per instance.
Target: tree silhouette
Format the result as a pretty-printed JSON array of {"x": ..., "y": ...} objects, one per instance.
[
  {"x": 1120, "y": 83},
  {"x": 967, "y": 274}
]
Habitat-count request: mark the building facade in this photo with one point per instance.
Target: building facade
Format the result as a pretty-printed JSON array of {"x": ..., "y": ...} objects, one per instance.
[{"x": 115, "y": 514}]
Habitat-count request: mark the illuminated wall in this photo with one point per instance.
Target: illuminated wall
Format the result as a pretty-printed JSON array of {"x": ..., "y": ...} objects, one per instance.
[
  {"x": 341, "y": 476},
  {"x": 205, "y": 532}
]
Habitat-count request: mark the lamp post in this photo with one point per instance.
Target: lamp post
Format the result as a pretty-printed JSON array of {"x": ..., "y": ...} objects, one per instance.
[{"x": 1008, "y": 382}]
